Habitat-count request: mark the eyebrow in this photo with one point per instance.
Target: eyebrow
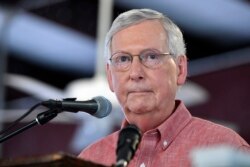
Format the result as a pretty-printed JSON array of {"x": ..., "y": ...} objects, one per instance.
[{"x": 147, "y": 49}]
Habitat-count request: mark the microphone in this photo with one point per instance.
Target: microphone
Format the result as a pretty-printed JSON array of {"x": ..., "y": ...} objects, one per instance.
[
  {"x": 98, "y": 106},
  {"x": 128, "y": 141}
]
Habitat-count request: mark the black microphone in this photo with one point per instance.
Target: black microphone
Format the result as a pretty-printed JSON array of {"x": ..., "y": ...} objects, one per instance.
[
  {"x": 128, "y": 141},
  {"x": 98, "y": 106}
]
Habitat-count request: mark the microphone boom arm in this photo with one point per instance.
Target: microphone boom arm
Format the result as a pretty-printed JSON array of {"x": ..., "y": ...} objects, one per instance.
[{"x": 41, "y": 119}]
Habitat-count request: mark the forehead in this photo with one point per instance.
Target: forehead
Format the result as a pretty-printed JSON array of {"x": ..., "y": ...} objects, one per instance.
[{"x": 146, "y": 34}]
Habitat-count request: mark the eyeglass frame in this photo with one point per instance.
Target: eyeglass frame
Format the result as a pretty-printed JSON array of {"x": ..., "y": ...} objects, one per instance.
[{"x": 132, "y": 57}]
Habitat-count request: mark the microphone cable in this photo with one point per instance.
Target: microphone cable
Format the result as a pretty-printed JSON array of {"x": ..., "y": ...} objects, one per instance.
[{"x": 14, "y": 124}]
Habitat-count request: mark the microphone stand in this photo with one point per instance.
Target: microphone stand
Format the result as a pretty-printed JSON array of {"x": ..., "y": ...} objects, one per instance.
[{"x": 41, "y": 119}]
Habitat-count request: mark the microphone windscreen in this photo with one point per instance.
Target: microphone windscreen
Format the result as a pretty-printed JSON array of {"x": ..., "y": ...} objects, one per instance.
[
  {"x": 128, "y": 141},
  {"x": 104, "y": 107}
]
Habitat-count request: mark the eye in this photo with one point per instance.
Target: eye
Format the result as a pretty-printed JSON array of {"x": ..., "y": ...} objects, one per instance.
[
  {"x": 151, "y": 56},
  {"x": 122, "y": 59}
]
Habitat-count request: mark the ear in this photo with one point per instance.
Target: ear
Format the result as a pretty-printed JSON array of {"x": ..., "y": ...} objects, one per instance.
[
  {"x": 109, "y": 77},
  {"x": 182, "y": 69}
]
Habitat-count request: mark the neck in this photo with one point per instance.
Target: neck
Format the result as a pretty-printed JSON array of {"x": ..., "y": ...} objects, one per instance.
[{"x": 152, "y": 120}]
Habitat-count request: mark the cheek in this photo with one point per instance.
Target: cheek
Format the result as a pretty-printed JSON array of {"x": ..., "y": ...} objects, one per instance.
[
  {"x": 114, "y": 80},
  {"x": 166, "y": 81},
  {"x": 119, "y": 87},
  {"x": 165, "y": 85},
  {"x": 116, "y": 83}
]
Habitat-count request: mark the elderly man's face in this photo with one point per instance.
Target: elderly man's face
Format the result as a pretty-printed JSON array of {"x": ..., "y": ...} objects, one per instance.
[{"x": 147, "y": 96}]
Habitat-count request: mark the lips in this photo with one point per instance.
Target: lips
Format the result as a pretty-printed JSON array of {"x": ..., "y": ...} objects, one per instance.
[{"x": 139, "y": 90}]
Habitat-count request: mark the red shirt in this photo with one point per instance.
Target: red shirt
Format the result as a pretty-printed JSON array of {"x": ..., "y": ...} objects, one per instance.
[{"x": 169, "y": 144}]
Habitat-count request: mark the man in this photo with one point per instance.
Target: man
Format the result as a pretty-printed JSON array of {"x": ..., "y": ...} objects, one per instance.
[{"x": 146, "y": 66}]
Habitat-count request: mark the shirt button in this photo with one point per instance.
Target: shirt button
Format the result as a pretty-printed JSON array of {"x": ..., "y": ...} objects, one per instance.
[
  {"x": 165, "y": 144},
  {"x": 142, "y": 165}
]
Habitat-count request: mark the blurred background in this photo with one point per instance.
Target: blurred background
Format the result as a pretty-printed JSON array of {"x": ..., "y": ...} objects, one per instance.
[{"x": 52, "y": 49}]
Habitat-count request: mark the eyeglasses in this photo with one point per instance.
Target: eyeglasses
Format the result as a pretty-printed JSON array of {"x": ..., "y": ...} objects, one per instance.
[{"x": 150, "y": 58}]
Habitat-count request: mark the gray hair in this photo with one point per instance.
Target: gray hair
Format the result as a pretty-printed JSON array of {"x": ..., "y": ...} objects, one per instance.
[{"x": 176, "y": 44}]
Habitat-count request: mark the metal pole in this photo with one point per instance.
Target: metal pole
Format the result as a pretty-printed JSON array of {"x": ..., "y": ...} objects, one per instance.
[
  {"x": 105, "y": 12},
  {"x": 5, "y": 19}
]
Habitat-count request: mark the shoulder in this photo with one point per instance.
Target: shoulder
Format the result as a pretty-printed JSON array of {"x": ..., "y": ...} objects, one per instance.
[
  {"x": 212, "y": 127},
  {"x": 102, "y": 150},
  {"x": 215, "y": 133}
]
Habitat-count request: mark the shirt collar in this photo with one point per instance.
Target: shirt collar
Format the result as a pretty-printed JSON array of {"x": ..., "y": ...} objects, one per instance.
[{"x": 170, "y": 128}]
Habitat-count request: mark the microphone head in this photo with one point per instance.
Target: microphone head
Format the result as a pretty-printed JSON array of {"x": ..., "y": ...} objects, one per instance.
[
  {"x": 128, "y": 141},
  {"x": 104, "y": 107}
]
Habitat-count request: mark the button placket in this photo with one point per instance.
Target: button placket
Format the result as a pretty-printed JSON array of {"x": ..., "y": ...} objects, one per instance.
[
  {"x": 164, "y": 144},
  {"x": 142, "y": 165}
]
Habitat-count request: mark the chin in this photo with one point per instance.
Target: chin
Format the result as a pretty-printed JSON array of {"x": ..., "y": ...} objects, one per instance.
[{"x": 140, "y": 109}]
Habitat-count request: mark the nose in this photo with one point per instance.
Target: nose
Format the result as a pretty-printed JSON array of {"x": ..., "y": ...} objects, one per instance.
[{"x": 136, "y": 69}]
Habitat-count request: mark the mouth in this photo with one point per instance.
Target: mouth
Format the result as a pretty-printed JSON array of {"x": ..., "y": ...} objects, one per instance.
[{"x": 139, "y": 92}]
